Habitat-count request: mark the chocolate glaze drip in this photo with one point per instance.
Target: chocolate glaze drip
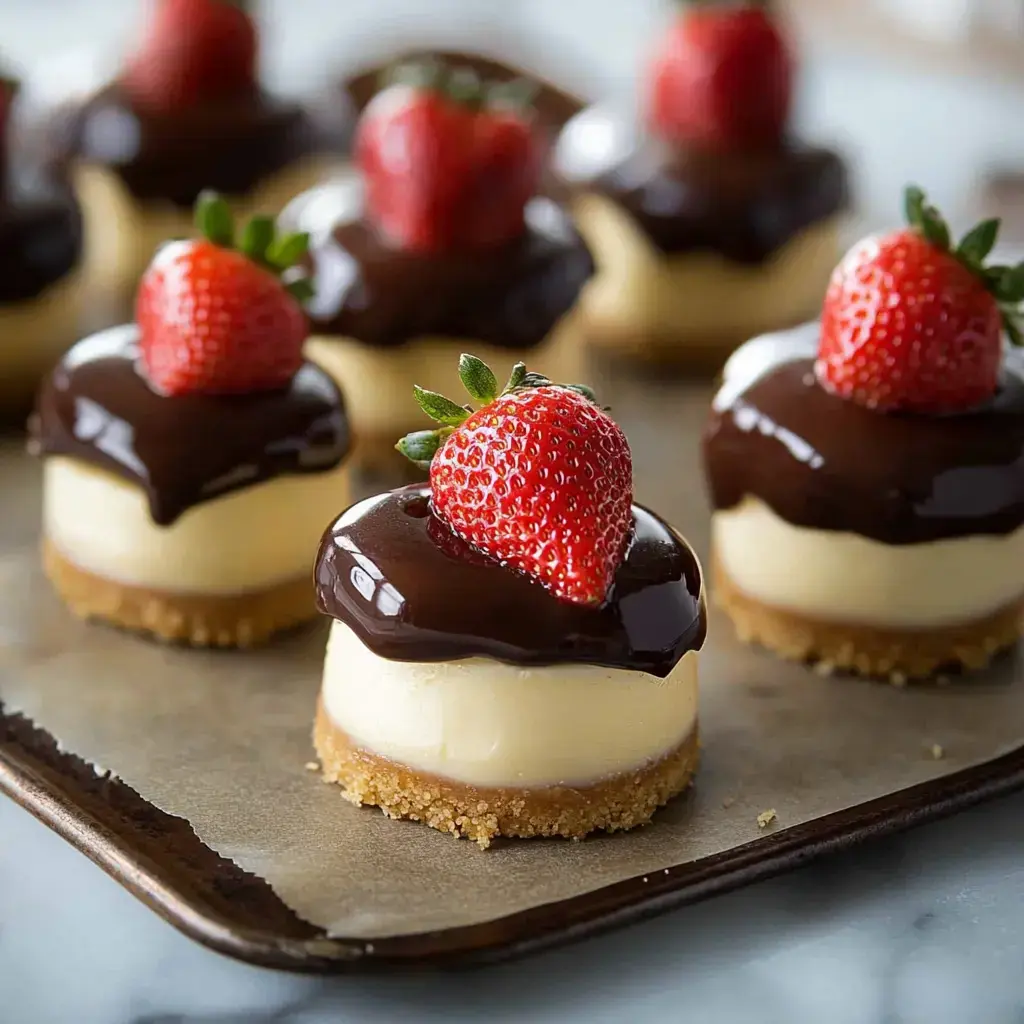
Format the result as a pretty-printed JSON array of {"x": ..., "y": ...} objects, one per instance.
[
  {"x": 40, "y": 237},
  {"x": 554, "y": 106},
  {"x": 181, "y": 451},
  {"x": 745, "y": 206},
  {"x": 230, "y": 145},
  {"x": 413, "y": 591},
  {"x": 824, "y": 462},
  {"x": 511, "y": 296}
]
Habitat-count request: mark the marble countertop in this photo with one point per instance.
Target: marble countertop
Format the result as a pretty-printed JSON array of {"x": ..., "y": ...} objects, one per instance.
[
  {"x": 924, "y": 928},
  {"x": 927, "y": 927}
]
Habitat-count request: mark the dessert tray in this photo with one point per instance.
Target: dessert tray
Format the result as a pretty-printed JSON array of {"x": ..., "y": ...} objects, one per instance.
[{"x": 188, "y": 777}]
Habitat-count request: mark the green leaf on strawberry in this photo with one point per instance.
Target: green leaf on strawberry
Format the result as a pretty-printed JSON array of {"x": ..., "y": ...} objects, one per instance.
[
  {"x": 282, "y": 254},
  {"x": 480, "y": 382},
  {"x": 1005, "y": 284}
]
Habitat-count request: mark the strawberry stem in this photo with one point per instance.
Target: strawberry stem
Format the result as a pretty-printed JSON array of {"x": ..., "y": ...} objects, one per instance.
[
  {"x": 462, "y": 85},
  {"x": 282, "y": 255},
  {"x": 1004, "y": 284},
  {"x": 479, "y": 380}
]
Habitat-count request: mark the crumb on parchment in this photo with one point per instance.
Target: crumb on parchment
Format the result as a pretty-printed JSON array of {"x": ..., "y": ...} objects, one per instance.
[
  {"x": 728, "y": 802},
  {"x": 765, "y": 818},
  {"x": 312, "y": 766},
  {"x": 937, "y": 752}
]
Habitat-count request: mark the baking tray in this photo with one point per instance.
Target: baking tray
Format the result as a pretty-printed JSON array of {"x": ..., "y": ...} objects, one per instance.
[{"x": 159, "y": 856}]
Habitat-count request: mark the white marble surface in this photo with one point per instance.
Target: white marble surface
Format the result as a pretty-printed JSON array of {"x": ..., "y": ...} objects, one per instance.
[
  {"x": 923, "y": 928},
  {"x": 927, "y": 928}
]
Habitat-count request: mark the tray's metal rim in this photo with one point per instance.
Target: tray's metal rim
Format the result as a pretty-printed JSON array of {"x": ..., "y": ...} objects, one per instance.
[{"x": 528, "y": 932}]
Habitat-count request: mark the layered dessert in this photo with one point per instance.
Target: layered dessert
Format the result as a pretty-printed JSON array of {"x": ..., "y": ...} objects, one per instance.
[
  {"x": 41, "y": 287},
  {"x": 192, "y": 457},
  {"x": 414, "y": 261},
  {"x": 708, "y": 220},
  {"x": 186, "y": 113},
  {"x": 867, "y": 471},
  {"x": 514, "y": 645}
]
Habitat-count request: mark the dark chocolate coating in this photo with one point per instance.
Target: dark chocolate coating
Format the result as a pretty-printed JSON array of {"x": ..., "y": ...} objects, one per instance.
[
  {"x": 229, "y": 145},
  {"x": 824, "y": 462},
  {"x": 40, "y": 236},
  {"x": 511, "y": 295},
  {"x": 554, "y": 106},
  {"x": 97, "y": 407},
  {"x": 745, "y": 205},
  {"x": 413, "y": 591}
]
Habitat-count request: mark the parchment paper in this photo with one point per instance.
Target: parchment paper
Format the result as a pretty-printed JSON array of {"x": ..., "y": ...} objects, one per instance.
[{"x": 223, "y": 739}]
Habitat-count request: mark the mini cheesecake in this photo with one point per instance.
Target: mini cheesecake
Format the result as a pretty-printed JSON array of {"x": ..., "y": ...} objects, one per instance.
[
  {"x": 182, "y": 496},
  {"x": 41, "y": 285},
  {"x": 139, "y": 159},
  {"x": 701, "y": 239},
  {"x": 390, "y": 312},
  {"x": 889, "y": 542},
  {"x": 513, "y": 650}
]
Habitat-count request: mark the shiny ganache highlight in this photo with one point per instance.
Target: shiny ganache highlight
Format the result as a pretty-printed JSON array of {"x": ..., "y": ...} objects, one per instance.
[
  {"x": 412, "y": 590},
  {"x": 97, "y": 407},
  {"x": 826, "y": 463},
  {"x": 744, "y": 205},
  {"x": 511, "y": 295},
  {"x": 229, "y": 145}
]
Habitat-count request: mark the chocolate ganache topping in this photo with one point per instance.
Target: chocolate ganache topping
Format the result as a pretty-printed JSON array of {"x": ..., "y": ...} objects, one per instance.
[
  {"x": 510, "y": 296},
  {"x": 824, "y": 462},
  {"x": 228, "y": 145},
  {"x": 181, "y": 451},
  {"x": 40, "y": 234},
  {"x": 744, "y": 205},
  {"x": 554, "y": 106},
  {"x": 411, "y": 590}
]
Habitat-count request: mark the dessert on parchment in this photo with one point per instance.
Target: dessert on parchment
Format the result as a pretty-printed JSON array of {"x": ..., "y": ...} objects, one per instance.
[
  {"x": 514, "y": 644},
  {"x": 186, "y": 112},
  {"x": 450, "y": 249},
  {"x": 192, "y": 457},
  {"x": 867, "y": 471},
  {"x": 41, "y": 286},
  {"x": 709, "y": 221}
]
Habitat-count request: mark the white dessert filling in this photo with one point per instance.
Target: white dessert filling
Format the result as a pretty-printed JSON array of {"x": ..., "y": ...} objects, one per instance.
[
  {"x": 697, "y": 295},
  {"x": 122, "y": 232},
  {"x": 843, "y": 577},
  {"x": 35, "y": 332},
  {"x": 250, "y": 539},
  {"x": 377, "y": 381},
  {"x": 485, "y": 723}
]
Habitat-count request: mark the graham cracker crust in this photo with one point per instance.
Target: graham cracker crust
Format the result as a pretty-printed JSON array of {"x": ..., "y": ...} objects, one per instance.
[
  {"x": 236, "y": 620},
  {"x": 898, "y": 655},
  {"x": 482, "y": 814}
]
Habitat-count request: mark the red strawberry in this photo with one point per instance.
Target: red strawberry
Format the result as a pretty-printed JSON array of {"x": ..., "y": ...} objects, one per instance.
[
  {"x": 447, "y": 163},
  {"x": 722, "y": 78},
  {"x": 213, "y": 320},
  {"x": 909, "y": 324},
  {"x": 539, "y": 478},
  {"x": 194, "y": 51}
]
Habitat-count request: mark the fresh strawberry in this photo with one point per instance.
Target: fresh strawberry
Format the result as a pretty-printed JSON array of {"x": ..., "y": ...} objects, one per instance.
[
  {"x": 911, "y": 324},
  {"x": 194, "y": 51},
  {"x": 722, "y": 78},
  {"x": 215, "y": 320},
  {"x": 539, "y": 478},
  {"x": 447, "y": 162}
]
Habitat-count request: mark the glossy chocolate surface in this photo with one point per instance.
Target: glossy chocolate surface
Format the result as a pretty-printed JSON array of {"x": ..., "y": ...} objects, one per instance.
[
  {"x": 745, "y": 206},
  {"x": 413, "y": 591},
  {"x": 40, "y": 236},
  {"x": 824, "y": 462},
  {"x": 511, "y": 296},
  {"x": 554, "y": 106},
  {"x": 230, "y": 145},
  {"x": 181, "y": 451}
]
